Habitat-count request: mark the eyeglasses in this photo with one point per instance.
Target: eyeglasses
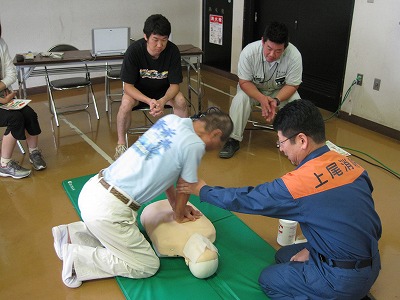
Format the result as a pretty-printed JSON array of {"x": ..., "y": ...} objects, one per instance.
[{"x": 279, "y": 143}]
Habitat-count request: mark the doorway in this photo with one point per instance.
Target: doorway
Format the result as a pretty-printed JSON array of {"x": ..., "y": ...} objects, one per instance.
[{"x": 321, "y": 32}]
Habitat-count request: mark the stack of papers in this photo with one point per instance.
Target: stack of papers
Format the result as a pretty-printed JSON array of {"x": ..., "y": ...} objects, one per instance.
[
  {"x": 52, "y": 54},
  {"x": 339, "y": 150}
]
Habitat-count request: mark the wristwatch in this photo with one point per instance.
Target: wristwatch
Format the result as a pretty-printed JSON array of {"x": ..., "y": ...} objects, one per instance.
[{"x": 278, "y": 102}]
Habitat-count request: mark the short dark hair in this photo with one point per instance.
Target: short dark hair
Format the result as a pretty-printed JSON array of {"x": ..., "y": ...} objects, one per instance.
[
  {"x": 277, "y": 32},
  {"x": 157, "y": 24},
  {"x": 301, "y": 116},
  {"x": 218, "y": 120}
]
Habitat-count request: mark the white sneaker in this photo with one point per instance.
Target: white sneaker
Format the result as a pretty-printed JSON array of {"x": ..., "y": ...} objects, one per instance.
[
  {"x": 60, "y": 234},
  {"x": 68, "y": 273}
]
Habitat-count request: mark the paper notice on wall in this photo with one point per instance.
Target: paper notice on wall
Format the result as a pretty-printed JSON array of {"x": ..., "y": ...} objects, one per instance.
[{"x": 216, "y": 26}]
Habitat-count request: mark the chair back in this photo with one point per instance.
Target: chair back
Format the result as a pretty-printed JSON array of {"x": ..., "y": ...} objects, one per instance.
[
  {"x": 68, "y": 84},
  {"x": 62, "y": 47}
]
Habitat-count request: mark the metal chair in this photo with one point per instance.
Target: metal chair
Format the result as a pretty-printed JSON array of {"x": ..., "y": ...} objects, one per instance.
[
  {"x": 112, "y": 73},
  {"x": 144, "y": 108},
  {"x": 256, "y": 124},
  {"x": 68, "y": 84},
  {"x": 21, "y": 148}
]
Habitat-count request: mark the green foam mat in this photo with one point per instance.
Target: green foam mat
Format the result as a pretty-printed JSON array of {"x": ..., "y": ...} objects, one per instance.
[{"x": 243, "y": 254}]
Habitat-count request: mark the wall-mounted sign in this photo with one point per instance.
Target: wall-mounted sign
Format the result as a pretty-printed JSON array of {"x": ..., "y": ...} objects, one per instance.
[{"x": 216, "y": 26}]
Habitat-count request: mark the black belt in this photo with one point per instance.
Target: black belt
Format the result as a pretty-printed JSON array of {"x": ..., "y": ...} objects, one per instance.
[
  {"x": 116, "y": 193},
  {"x": 353, "y": 264}
]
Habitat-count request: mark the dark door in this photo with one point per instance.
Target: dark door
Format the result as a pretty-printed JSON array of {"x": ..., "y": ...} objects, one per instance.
[
  {"x": 321, "y": 32},
  {"x": 279, "y": 6},
  {"x": 217, "y": 33}
]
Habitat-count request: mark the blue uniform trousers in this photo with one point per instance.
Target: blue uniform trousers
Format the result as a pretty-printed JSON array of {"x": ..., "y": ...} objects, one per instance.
[{"x": 315, "y": 279}]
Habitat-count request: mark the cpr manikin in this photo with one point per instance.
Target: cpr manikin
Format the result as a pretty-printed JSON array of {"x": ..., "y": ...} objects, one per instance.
[{"x": 191, "y": 240}]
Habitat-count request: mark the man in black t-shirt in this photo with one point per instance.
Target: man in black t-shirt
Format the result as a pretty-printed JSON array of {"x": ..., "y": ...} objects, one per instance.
[{"x": 151, "y": 73}]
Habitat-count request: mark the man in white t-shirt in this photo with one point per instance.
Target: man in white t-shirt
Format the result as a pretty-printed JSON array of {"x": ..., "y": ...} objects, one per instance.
[
  {"x": 270, "y": 72},
  {"x": 108, "y": 242}
]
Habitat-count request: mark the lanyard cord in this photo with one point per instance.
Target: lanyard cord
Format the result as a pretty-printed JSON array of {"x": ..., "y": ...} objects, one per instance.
[{"x": 275, "y": 68}]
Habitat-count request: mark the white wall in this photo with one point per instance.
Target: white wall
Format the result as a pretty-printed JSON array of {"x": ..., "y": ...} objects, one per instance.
[
  {"x": 375, "y": 52},
  {"x": 237, "y": 34},
  {"x": 37, "y": 25}
]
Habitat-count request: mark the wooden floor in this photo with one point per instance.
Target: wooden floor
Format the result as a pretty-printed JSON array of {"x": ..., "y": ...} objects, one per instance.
[{"x": 30, "y": 207}]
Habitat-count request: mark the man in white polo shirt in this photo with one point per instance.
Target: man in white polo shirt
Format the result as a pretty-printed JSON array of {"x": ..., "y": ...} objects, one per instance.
[{"x": 270, "y": 72}]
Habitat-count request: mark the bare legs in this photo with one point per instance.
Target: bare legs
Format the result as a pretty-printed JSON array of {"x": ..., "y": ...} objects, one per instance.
[{"x": 124, "y": 113}]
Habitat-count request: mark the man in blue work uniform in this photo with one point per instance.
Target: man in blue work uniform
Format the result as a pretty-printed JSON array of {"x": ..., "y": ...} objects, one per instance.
[{"x": 330, "y": 196}]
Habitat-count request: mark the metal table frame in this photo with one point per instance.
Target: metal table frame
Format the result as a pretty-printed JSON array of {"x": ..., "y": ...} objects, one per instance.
[{"x": 71, "y": 60}]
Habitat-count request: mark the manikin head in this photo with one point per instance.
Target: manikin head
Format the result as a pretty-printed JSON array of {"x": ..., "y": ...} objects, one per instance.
[{"x": 201, "y": 256}]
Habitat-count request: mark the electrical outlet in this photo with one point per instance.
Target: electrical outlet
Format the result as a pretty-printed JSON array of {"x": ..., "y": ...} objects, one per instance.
[
  {"x": 377, "y": 84},
  {"x": 360, "y": 78}
]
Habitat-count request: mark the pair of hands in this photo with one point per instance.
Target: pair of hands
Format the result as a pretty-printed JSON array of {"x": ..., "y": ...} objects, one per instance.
[
  {"x": 189, "y": 213},
  {"x": 156, "y": 108},
  {"x": 268, "y": 108},
  {"x": 8, "y": 96}
]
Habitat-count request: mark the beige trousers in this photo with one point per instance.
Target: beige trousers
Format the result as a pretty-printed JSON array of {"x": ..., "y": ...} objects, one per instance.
[
  {"x": 108, "y": 243},
  {"x": 241, "y": 108}
]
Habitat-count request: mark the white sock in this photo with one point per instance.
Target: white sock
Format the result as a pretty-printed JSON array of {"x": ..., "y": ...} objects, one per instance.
[
  {"x": 4, "y": 161},
  {"x": 33, "y": 149}
]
